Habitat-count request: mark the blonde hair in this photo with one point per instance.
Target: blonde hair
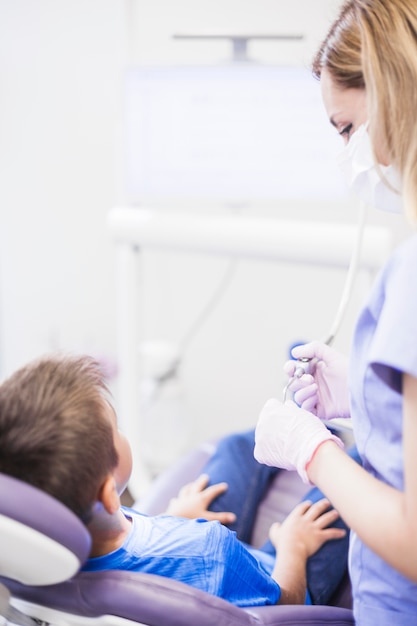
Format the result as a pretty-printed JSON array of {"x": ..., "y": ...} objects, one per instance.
[
  {"x": 373, "y": 44},
  {"x": 389, "y": 58},
  {"x": 340, "y": 52}
]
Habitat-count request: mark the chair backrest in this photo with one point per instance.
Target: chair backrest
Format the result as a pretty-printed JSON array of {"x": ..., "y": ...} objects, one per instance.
[{"x": 41, "y": 541}]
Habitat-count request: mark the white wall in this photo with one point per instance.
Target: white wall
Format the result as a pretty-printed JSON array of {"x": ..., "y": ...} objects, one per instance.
[
  {"x": 60, "y": 77},
  {"x": 61, "y": 72}
]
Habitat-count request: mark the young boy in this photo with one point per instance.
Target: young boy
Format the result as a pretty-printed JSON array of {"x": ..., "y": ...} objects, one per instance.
[{"x": 58, "y": 432}]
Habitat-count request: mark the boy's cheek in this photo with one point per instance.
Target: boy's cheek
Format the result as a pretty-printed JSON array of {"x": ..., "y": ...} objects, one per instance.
[{"x": 124, "y": 468}]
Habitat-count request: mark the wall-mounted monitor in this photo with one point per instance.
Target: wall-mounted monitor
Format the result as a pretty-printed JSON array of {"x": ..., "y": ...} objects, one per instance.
[{"x": 228, "y": 134}]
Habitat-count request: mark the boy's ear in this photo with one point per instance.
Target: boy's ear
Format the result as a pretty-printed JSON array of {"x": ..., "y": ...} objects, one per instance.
[{"x": 108, "y": 495}]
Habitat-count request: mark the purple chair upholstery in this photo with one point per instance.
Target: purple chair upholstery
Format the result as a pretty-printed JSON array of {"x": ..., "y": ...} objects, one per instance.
[{"x": 123, "y": 597}]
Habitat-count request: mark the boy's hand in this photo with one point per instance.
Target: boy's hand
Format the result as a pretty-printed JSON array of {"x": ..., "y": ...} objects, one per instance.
[
  {"x": 194, "y": 499},
  {"x": 305, "y": 528}
]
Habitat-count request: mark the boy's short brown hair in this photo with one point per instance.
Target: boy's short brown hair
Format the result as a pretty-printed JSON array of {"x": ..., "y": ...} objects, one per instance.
[{"x": 54, "y": 432}]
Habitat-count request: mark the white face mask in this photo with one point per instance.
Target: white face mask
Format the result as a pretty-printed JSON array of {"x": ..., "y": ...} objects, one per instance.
[{"x": 377, "y": 185}]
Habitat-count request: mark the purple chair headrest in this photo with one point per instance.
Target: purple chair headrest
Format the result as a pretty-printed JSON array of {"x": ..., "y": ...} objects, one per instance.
[{"x": 41, "y": 541}]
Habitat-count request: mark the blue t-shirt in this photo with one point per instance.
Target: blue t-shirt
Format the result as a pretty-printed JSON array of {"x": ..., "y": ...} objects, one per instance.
[
  {"x": 205, "y": 555},
  {"x": 384, "y": 347}
]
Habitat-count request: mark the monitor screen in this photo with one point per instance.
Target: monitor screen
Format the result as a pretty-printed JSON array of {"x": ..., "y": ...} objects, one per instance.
[{"x": 228, "y": 134}]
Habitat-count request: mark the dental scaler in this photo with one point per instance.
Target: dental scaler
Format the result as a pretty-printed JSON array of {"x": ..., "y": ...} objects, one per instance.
[{"x": 303, "y": 366}]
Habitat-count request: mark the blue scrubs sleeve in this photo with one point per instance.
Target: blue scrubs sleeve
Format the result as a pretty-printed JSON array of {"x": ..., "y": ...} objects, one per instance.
[{"x": 393, "y": 348}]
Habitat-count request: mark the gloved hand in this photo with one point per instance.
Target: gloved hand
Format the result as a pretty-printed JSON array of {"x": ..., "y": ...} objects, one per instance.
[
  {"x": 287, "y": 436},
  {"x": 324, "y": 391}
]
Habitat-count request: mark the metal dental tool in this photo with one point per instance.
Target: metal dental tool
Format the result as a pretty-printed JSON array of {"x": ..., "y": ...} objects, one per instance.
[{"x": 303, "y": 367}]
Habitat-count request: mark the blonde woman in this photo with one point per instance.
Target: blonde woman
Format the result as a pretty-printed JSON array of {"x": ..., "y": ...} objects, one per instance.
[{"x": 368, "y": 71}]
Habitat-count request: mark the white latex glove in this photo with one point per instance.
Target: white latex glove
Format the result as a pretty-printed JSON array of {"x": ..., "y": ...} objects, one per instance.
[
  {"x": 287, "y": 436},
  {"x": 324, "y": 391}
]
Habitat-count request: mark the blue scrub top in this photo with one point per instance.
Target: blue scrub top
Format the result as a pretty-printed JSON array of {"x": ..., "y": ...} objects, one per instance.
[{"x": 384, "y": 346}]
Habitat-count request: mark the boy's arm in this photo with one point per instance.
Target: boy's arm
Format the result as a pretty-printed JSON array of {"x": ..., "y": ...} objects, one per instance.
[
  {"x": 290, "y": 573},
  {"x": 301, "y": 534}
]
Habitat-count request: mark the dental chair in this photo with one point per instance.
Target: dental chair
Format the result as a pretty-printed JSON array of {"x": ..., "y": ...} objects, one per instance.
[{"x": 43, "y": 545}]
